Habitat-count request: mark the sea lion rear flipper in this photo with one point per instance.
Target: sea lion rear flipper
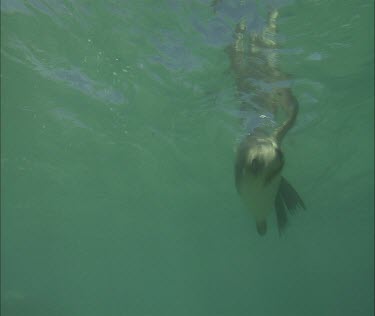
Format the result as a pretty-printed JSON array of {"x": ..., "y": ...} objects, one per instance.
[{"x": 287, "y": 198}]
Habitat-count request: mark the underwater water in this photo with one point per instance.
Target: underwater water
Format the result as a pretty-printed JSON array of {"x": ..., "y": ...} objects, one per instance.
[{"x": 119, "y": 123}]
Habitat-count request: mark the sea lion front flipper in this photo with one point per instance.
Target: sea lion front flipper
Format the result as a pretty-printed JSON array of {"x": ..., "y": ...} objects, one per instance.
[
  {"x": 290, "y": 196},
  {"x": 287, "y": 198}
]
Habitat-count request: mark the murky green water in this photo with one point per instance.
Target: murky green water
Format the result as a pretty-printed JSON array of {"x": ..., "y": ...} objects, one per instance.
[{"x": 117, "y": 148}]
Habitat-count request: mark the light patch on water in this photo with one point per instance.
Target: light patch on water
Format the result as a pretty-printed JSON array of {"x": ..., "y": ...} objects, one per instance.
[
  {"x": 78, "y": 80},
  {"x": 173, "y": 52},
  {"x": 65, "y": 115},
  {"x": 14, "y": 6},
  {"x": 73, "y": 76},
  {"x": 315, "y": 56}
]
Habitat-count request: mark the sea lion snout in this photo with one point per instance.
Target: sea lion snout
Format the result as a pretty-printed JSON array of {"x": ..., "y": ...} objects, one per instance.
[
  {"x": 256, "y": 166},
  {"x": 263, "y": 158}
]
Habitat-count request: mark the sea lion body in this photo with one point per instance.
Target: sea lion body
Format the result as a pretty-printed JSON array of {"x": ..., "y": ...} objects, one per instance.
[{"x": 262, "y": 86}]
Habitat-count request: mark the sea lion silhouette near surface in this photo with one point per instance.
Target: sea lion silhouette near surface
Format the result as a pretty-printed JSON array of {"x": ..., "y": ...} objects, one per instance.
[{"x": 259, "y": 162}]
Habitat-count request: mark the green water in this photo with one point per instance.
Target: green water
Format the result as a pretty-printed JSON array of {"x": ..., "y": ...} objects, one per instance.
[{"x": 118, "y": 130}]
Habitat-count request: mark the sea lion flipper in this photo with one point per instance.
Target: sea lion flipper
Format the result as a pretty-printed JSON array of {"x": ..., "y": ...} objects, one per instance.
[
  {"x": 236, "y": 50},
  {"x": 287, "y": 199},
  {"x": 290, "y": 196}
]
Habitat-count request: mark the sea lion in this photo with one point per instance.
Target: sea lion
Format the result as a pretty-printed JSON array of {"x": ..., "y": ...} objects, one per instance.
[{"x": 259, "y": 161}]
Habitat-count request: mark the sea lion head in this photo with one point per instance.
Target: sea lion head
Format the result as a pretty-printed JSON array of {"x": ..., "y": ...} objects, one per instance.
[{"x": 263, "y": 159}]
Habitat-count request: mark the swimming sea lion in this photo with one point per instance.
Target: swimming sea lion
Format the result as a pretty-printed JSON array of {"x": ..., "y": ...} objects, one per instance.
[{"x": 259, "y": 162}]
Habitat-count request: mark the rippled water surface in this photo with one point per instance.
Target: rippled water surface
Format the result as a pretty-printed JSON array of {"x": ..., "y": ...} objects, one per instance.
[{"x": 119, "y": 123}]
